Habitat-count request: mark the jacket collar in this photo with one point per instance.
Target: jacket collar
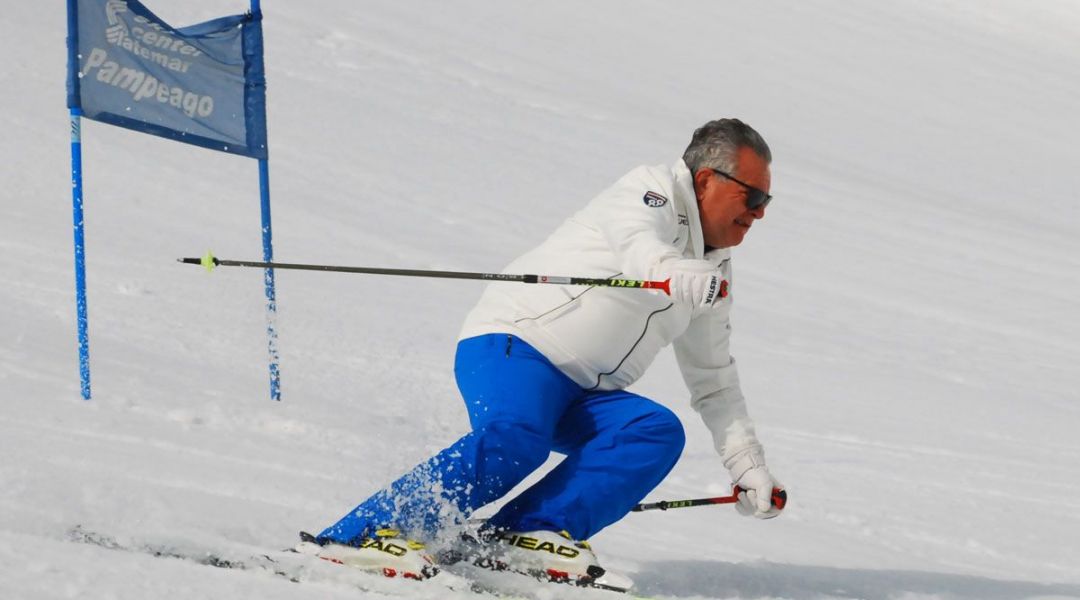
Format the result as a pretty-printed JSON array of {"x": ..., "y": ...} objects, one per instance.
[{"x": 686, "y": 202}]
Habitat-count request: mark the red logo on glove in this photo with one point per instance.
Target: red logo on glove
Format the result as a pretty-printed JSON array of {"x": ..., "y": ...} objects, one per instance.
[{"x": 724, "y": 288}]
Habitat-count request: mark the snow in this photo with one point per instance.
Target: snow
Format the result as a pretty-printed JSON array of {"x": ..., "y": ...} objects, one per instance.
[{"x": 905, "y": 324}]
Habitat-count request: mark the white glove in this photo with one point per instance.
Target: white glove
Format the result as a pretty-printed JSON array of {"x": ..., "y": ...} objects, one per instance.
[
  {"x": 695, "y": 282},
  {"x": 757, "y": 485}
]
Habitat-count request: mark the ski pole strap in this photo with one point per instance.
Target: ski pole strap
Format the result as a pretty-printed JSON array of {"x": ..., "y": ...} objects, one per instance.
[
  {"x": 210, "y": 262},
  {"x": 779, "y": 500}
]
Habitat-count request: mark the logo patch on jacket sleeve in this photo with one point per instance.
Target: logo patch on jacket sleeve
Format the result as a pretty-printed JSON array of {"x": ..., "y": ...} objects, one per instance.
[{"x": 654, "y": 200}]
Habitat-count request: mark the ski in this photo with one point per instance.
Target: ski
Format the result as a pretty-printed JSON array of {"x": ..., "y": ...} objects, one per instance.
[
  {"x": 499, "y": 581},
  {"x": 299, "y": 568},
  {"x": 284, "y": 564},
  {"x": 79, "y": 534}
]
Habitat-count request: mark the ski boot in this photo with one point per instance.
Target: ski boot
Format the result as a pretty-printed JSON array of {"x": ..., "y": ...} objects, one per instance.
[{"x": 386, "y": 551}]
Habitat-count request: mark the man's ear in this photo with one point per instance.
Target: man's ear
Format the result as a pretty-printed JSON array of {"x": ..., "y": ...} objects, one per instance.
[{"x": 701, "y": 181}]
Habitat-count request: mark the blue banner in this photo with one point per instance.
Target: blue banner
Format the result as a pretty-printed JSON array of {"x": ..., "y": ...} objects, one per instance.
[{"x": 202, "y": 85}]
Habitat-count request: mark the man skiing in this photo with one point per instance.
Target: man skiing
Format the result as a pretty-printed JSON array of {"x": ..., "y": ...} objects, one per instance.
[{"x": 545, "y": 368}]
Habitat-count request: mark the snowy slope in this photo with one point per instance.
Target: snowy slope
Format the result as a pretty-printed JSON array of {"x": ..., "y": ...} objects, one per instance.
[{"x": 906, "y": 315}]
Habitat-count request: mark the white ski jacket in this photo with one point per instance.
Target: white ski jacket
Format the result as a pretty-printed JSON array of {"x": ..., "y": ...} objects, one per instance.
[{"x": 605, "y": 338}]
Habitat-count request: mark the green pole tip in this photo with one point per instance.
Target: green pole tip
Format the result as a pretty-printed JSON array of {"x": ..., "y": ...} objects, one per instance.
[{"x": 208, "y": 261}]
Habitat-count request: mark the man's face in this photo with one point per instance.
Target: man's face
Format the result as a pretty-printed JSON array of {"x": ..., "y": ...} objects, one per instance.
[{"x": 722, "y": 202}]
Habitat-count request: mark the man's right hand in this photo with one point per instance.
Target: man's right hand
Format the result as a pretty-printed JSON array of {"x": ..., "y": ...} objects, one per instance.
[
  {"x": 754, "y": 484},
  {"x": 695, "y": 282}
]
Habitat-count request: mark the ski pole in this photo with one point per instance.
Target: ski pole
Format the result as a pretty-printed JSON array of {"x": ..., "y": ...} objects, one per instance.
[
  {"x": 210, "y": 262},
  {"x": 779, "y": 500}
]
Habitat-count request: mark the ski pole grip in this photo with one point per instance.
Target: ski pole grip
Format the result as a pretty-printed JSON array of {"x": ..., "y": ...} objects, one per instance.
[{"x": 779, "y": 496}]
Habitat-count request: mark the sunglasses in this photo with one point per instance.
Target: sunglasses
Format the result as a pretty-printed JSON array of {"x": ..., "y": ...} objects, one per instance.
[{"x": 755, "y": 198}]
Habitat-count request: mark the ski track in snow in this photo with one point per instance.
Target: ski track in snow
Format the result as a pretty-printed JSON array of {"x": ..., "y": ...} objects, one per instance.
[{"x": 905, "y": 322}]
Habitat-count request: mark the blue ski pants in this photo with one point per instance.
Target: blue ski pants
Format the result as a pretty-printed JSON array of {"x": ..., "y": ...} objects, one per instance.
[{"x": 618, "y": 447}]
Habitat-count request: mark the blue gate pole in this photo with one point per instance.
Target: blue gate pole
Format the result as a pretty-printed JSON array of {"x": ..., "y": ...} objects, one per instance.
[
  {"x": 77, "y": 195},
  {"x": 268, "y": 279},
  {"x": 80, "y": 251},
  {"x": 268, "y": 256}
]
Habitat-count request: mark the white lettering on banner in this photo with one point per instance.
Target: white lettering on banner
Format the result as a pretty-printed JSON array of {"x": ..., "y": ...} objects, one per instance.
[
  {"x": 137, "y": 39},
  {"x": 143, "y": 86},
  {"x": 162, "y": 40},
  {"x": 114, "y": 8}
]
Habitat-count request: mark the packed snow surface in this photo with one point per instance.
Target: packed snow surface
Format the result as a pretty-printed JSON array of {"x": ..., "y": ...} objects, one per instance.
[{"x": 906, "y": 321}]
